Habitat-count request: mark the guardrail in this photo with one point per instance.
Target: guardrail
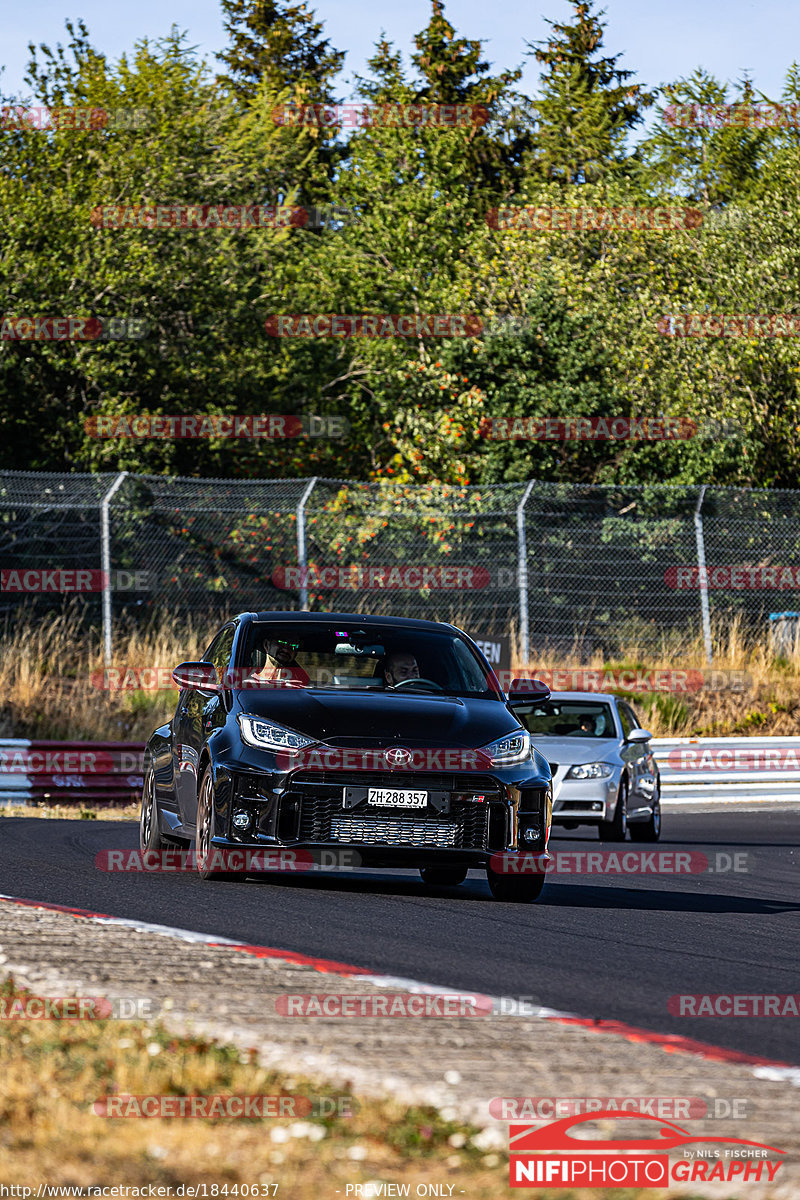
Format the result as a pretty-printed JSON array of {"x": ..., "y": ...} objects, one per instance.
[
  {"x": 34, "y": 772},
  {"x": 692, "y": 769},
  {"x": 737, "y": 769}
]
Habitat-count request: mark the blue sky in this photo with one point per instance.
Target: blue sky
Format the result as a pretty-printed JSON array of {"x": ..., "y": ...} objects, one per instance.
[{"x": 660, "y": 41}]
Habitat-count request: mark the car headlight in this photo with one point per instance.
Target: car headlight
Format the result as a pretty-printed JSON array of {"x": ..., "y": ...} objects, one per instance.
[
  {"x": 513, "y": 748},
  {"x": 589, "y": 771},
  {"x": 266, "y": 735}
]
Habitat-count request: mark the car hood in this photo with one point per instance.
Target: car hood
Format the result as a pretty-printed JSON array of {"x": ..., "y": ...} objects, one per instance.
[
  {"x": 363, "y": 718},
  {"x": 573, "y": 750}
]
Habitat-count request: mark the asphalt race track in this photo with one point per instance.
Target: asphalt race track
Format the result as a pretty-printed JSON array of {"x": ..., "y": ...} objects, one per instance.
[{"x": 614, "y": 947}]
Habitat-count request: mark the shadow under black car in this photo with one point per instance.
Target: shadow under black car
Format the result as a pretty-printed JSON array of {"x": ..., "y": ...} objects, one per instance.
[{"x": 560, "y": 895}]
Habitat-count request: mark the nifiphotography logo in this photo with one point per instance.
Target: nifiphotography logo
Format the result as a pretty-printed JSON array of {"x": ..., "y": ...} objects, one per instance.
[{"x": 556, "y": 1156}]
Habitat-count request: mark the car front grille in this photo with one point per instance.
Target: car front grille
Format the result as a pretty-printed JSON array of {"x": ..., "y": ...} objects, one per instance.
[
  {"x": 397, "y": 831},
  {"x": 323, "y": 818}
]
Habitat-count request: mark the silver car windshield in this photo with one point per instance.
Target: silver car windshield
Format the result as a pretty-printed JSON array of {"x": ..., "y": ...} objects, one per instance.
[{"x": 569, "y": 718}]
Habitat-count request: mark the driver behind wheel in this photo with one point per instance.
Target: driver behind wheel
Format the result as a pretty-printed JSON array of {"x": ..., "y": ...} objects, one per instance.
[{"x": 400, "y": 666}]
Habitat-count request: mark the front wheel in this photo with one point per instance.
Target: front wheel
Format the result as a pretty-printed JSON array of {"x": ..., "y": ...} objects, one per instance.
[
  {"x": 149, "y": 833},
  {"x": 519, "y": 889},
  {"x": 443, "y": 876},
  {"x": 615, "y": 829},
  {"x": 649, "y": 831},
  {"x": 206, "y": 855}
]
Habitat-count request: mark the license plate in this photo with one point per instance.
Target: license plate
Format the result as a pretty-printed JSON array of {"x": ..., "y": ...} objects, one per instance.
[{"x": 395, "y": 798}]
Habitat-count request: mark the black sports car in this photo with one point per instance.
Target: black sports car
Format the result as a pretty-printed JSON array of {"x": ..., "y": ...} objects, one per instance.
[{"x": 384, "y": 737}]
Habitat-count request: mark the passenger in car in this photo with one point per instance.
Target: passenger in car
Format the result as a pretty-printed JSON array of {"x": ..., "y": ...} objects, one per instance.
[{"x": 281, "y": 665}]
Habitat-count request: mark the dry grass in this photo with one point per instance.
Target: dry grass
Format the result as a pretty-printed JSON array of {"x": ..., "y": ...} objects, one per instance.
[
  {"x": 53, "y": 1071},
  {"x": 46, "y": 686},
  {"x": 46, "y": 683},
  {"x": 86, "y": 812},
  {"x": 764, "y": 697}
]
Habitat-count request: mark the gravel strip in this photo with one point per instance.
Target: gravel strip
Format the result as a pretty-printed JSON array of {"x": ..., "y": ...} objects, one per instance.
[{"x": 455, "y": 1063}]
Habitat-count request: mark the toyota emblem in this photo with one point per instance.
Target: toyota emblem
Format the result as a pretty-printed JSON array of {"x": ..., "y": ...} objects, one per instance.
[{"x": 397, "y": 756}]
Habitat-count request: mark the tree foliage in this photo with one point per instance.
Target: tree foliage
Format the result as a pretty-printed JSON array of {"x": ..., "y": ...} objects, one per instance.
[{"x": 572, "y": 321}]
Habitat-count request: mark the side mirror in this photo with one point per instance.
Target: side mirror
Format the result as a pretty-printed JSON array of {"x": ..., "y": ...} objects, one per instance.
[
  {"x": 639, "y": 735},
  {"x": 528, "y": 690},
  {"x": 198, "y": 676}
]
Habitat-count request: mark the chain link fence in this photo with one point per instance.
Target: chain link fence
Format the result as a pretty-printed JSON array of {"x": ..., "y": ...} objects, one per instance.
[{"x": 571, "y": 569}]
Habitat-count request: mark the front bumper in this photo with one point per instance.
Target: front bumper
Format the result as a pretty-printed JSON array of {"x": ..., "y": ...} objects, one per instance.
[
  {"x": 587, "y": 801},
  {"x": 468, "y": 817},
  {"x": 301, "y": 858}
]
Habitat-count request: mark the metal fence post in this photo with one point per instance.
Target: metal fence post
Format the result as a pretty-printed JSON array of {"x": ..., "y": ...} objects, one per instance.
[
  {"x": 522, "y": 574},
  {"x": 301, "y": 542},
  {"x": 703, "y": 575},
  {"x": 105, "y": 535}
]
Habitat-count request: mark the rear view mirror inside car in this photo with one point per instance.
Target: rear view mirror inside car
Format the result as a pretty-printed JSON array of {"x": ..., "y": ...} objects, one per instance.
[{"x": 359, "y": 651}]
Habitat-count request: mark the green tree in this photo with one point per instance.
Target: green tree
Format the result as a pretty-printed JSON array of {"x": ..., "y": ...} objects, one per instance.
[
  {"x": 203, "y": 293},
  {"x": 452, "y": 70},
  {"x": 587, "y": 106},
  {"x": 709, "y": 162},
  {"x": 280, "y": 45}
]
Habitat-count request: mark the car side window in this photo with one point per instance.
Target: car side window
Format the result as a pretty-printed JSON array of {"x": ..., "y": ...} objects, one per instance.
[
  {"x": 626, "y": 719},
  {"x": 637, "y": 724},
  {"x": 219, "y": 652}
]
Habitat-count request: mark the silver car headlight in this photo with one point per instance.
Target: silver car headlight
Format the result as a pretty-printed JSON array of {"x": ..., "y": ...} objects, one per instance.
[
  {"x": 513, "y": 748},
  {"x": 266, "y": 735},
  {"x": 590, "y": 771}
]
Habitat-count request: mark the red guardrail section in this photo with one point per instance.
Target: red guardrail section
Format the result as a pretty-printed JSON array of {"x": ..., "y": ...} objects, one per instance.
[{"x": 37, "y": 772}]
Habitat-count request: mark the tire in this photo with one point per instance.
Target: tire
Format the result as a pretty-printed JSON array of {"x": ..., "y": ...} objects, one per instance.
[
  {"x": 523, "y": 889},
  {"x": 149, "y": 833},
  {"x": 443, "y": 876},
  {"x": 203, "y": 850},
  {"x": 615, "y": 829},
  {"x": 649, "y": 831}
]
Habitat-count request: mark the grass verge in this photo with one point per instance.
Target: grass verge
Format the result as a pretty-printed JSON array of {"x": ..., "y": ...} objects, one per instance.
[{"x": 54, "y": 1070}]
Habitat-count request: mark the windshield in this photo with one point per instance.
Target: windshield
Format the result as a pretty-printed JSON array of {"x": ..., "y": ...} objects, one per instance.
[
  {"x": 352, "y": 657},
  {"x": 568, "y": 718}
]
